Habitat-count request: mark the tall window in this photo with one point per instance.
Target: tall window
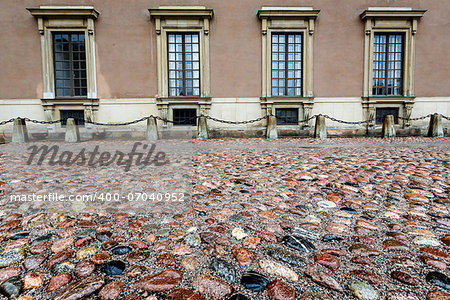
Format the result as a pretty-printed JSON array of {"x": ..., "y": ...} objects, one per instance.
[
  {"x": 387, "y": 64},
  {"x": 286, "y": 64},
  {"x": 184, "y": 64},
  {"x": 70, "y": 64}
]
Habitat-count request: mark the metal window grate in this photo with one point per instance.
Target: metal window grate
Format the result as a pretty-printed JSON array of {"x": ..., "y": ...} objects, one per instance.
[
  {"x": 70, "y": 64},
  {"x": 384, "y": 111},
  {"x": 78, "y": 115},
  {"x": 287, "y": 64},
  {"x": 184, "y": 64},
  {"x": 287, "y": 116},
  {"x": 387, "y": 64},
  {"x": 184, "y": 117}
]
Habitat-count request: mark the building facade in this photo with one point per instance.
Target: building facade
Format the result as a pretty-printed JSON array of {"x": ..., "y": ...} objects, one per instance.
[{"x": 115, "y": 61}]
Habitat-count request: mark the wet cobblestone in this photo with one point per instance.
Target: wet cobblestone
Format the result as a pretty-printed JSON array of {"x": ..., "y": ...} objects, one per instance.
[{"x": 285, "y": 219}]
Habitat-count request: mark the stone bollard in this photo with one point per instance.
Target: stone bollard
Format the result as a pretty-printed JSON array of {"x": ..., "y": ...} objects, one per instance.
[
  {"x": 388, "y": 130},
  {"x": 271, "y": 132},
  {"x": 20, "y": 132},
  {"x": 72, "y": 132},
  {"x": 202, "y": 128},
  {"x": 435, "y": 129},
  {"x": 152, "y": 130},
  {"x": 320, "y": 130}
]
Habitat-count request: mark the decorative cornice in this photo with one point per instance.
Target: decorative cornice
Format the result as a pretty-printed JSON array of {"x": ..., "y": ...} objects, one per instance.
[
  {"x": 387, "y": 99},
  {"x": 392, "y": 14},
  {"x": 288, "y": 13},
  {"x": 287, "y": 99},
  {"x": 177, "y": 12},
  {"x": 64, "y": 11}
]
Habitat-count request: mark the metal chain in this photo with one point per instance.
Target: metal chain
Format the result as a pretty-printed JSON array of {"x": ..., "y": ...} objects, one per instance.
[
  {"x": 344, "y": 122},
  {"x": 167, "y": 120},
  {"x": 416, "y": 119},
  {"x": 307, "y": 120},
  {"x": 7, "y": 121},
  {"x": 41, "y": 122},
  {"x": 235, "y": 122},
  {"x": 118, "y": 124},
  {"x": 210, "y": 118}
]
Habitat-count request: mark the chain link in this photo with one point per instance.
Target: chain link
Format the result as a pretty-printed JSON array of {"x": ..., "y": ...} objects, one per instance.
[{"x": 212, "y": 119}]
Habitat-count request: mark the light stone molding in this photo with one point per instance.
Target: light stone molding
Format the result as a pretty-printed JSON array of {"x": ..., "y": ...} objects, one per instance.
[
  {"x": 288, "y": 19},
  {"x": 390, "y": 19}
]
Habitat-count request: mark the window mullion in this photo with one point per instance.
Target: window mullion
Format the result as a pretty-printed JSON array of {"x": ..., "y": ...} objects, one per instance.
[
  {"x": 386, "y": 77},
  {"x": 183, "y": 36},
  {"x": 70, "y": 65},
  {"x": 286, "y": 61}
]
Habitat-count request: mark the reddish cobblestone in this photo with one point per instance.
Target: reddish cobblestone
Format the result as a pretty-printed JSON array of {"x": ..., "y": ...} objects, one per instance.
[{"x": 364, "y": 212}]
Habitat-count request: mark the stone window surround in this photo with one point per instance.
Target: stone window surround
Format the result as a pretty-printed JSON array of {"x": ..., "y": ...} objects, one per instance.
[
  {"x": 390, "y": 19},
  {"x": 63, "y": 19},
  {"x": 288, "y": 19},
  {"x": 297, "y": 106},
  {"x": 182, "y": 19}
]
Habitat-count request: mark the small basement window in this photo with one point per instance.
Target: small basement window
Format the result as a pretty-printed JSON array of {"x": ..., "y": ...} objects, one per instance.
[
  {"x": 384, "y": 111},
  {"x": 185, "y": 117},
  {"x": 287, "y": 116},
  {"x": 78, "y": 115}
]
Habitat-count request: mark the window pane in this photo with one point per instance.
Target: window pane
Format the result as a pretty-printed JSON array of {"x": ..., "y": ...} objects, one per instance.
[
  {"x": 290, "y": 83},
  {"x": 70, "y": 64},
  {"x": 287, "y": 116},
  {"x": 184, "y": 63},
  {"x": 387, "y": 65},
  {"x": 184, "y": 116},
  {"x": 384, "y": 111},
  {"x": 274, "y": 82},
  {"x": 286, "y": 63}
]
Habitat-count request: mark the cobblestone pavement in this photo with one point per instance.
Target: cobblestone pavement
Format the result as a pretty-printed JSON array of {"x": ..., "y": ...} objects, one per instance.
[{"x": 362, "y": 218}]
